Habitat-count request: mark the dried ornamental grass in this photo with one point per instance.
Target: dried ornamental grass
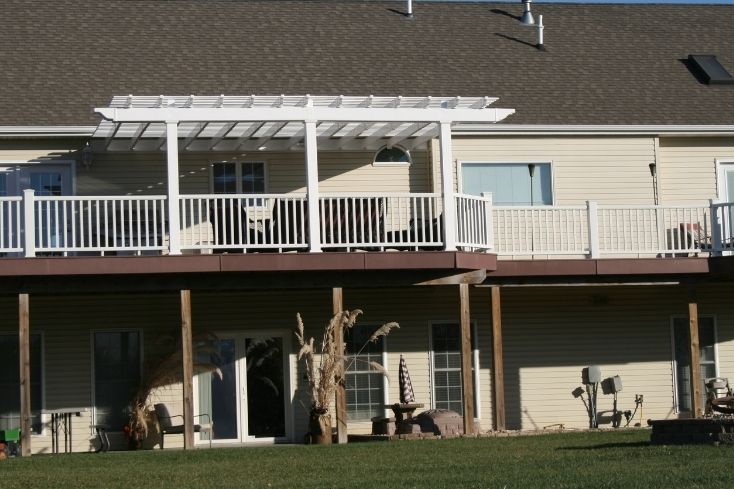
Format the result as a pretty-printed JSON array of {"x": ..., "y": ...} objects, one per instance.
[
  {"x": 167, "y": 369},
  {"x": 323, "y": 380}
]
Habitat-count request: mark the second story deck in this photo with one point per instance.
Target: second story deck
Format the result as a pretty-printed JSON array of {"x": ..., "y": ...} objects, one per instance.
[{"x": 34, "y": 225}]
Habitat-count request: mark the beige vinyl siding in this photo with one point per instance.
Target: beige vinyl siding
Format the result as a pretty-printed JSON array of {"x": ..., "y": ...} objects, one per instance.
[
  {"x": 47, "y": 150},
  {"x": 688, "y": 168},
  {"x": 625, "y": 330},
  {"x": 145, "y": 173},
  {"x": 550, "y": 334},
  {"x": 66, "y": 324},
  {"x": 608, "y": 170}
]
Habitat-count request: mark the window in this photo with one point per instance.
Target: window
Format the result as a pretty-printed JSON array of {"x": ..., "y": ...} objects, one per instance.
[
  {"x": 242, "y": 177},
  {"x": 392, "y": 155},
  {"x": 117, "y": 360},
  {"x": 10, "y": 386},
  {"x": 365, "y": 388},
  {"x": 682, "y": 358},
  {"x": 447, "y": 386},
  {"x": 509, "y": 183}
]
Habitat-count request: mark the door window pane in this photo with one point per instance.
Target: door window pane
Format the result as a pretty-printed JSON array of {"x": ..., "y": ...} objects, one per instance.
[
  {"x": 365, "y": 388},
  {"x": 265, "y": 381},
  {"x": 706, "y": 339},
  {"x": 222, "y": 399},
  {"x": 10, "y": 386},
  {"x": 447, "y": 385},
  {"x": 509, "y": 183},
  {"x": 116, "y": 376}
]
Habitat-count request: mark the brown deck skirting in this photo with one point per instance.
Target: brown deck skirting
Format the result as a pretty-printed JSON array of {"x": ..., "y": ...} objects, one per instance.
[
  {"x": 450, "y": 262},
  {"x": 251, "y": 262},
  {"x": 602, "y": 267}
]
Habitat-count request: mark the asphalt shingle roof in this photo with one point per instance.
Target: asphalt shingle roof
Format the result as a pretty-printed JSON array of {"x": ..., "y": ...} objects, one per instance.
[{"x": 604, "y": 64}]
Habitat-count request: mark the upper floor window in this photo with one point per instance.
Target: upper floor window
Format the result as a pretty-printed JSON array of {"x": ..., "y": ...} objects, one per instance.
[
  {"x": 509, "y": 183},
  {"x": 394, "y": 155},
  {"x": 238, "y": 177}
]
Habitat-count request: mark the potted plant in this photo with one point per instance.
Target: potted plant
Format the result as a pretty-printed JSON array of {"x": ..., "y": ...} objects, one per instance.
[{"x": 324, "y": 378}]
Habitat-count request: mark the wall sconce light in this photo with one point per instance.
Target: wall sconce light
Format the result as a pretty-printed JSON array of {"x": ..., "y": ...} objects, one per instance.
[{"x": 86, "y": 156}]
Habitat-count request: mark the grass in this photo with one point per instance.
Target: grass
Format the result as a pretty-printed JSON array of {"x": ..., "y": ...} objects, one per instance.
[{"x": 571, "y": 460}]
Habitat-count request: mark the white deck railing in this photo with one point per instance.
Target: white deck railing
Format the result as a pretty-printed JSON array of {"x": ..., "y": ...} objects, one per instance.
[
  {"x": 661, "y": 229},
  {"x": 11, "y": 224},
  {"x": 546, "y": 230},
  {"x": 474, "y": 229},
  {"x": 244, "y": 222},
  {"x": 602, "y": 230},
  {"x": 380, "y": 221},
  {"x": 722, "y": 235},
  {"x": 351, "y": 222},
  {"x": 64, "y": 224}
]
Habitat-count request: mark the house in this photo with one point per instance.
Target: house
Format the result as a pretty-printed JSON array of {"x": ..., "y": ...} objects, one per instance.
[{"x": 580, "y": 218}]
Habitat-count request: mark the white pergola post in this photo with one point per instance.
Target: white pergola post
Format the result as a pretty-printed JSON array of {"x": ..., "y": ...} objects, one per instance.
[
  {"x": 312, "y": 186},
  {"x": 174, "y": 220},
  {"x": 447, "y": 187}
]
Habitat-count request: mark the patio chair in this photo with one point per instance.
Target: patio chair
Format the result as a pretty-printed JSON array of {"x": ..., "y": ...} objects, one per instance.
[
  {"x": 231, "y": 226},
  {"x": 716, "y": 388},
  {"x": 693, "y": 237},
  {"x": 168, "y": 428},
  {"x": 290, "y": 224}
]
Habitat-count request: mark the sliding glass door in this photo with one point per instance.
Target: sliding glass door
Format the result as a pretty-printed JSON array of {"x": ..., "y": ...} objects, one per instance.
[{"x": 248, "y": 396}]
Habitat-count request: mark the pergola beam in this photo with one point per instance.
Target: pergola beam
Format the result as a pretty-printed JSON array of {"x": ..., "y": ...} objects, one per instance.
[{"x": 280, "y": 114}]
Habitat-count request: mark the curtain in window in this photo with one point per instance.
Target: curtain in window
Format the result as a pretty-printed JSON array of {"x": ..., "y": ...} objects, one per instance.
[{"x": 509, "y": 183}]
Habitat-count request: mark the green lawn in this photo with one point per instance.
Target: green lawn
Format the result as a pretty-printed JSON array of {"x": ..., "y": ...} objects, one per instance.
[{"x": 612, "y": 459}]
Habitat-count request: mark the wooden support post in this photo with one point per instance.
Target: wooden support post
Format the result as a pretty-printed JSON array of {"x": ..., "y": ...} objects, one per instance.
[
  {"x": 498, "y": 364},
  {"x": 341, "y": 394},
  {"x": 466, "y": 354},
  {"x": 24, "y": 348},
  {"x": 695, "y": 354},
  {"x": 188, "y": 369}
]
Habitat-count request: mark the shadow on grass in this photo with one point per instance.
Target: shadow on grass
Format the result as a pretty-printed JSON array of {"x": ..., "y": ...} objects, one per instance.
[{"x": 632, "y": 444}]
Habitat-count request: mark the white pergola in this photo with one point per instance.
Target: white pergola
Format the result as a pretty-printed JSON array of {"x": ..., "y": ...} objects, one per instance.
[{"x": 284, "y": 123}]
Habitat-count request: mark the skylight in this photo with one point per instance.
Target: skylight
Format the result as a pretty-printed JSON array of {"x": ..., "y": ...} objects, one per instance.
[{"x": 710, "y": 69}]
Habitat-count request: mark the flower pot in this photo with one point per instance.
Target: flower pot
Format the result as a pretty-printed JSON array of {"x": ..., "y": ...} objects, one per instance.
[{"x": 320, "y": 428}]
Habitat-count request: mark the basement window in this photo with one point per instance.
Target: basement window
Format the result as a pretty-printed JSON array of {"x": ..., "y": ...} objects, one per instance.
[{"x": 709, "y": 69}]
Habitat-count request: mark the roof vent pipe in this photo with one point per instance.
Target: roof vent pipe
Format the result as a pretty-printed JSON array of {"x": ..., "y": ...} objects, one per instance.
[
  {"x": 409, "y": 14},
  {"x": 527, "y": 15},
  {"x": 541, "y": 27}
]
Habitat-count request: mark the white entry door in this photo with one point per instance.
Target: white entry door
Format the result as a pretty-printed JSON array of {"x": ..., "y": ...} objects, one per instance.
[{"x": 250, "y": 400}]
